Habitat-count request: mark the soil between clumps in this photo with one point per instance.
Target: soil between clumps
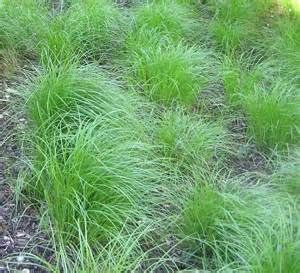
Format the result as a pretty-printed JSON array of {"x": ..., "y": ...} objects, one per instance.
[{"x": 20, "y": 234}]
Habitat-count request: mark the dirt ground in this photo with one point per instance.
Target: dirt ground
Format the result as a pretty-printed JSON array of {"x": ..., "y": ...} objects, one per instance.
[{"x": 19, "y": 225}]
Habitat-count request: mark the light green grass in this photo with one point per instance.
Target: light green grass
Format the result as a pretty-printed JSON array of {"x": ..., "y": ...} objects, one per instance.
[
  {"x": 237, "y": 22},
  {"x": 95, "y": 28},
  {"x": 238, "y": 80},
  {"x": 169, "y": 18},
  {"x": 190, "y": 141},
  {"x": 242, "y": 74},
  {"x": 229, "y": 36},
  {"x": 240, "y": 10},
  {"x": 204, "y": 209},
  {"x": 139, "y": 41},
  {"x": 288, "y": 176},
  {"x": 130, "y": 171},
  {"x": 244, "y": 230},
  {"x": 172, "y": 73},
  {"x": 57, "y": 47},
  {"x": 283, "y": 41},
  {"x": 268, "y": 101},
  {"x": 89, "y": 161},
  {"x": 89, "y": 30},
  {"x": 273, "y": 115},
  {"x": 87, "y": 93},
  {"x": 89, "y": 182},
  {"x": 22, "y": 23},
  {"x": 164, "y": 71}
]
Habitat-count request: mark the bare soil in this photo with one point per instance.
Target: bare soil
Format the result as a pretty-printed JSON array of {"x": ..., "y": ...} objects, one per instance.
[{"x": 20, "y": 233}]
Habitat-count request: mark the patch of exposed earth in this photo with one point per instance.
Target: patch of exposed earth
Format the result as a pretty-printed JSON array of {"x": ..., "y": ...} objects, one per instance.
[
  {"x": 21, "y": 237},
  {"x": 248, "y": 159}
]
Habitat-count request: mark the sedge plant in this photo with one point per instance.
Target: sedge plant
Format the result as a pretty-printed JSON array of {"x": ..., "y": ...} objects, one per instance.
[
  {"x": 86, "y": 162},
  {"x": 288, "y": 177},
  {"x": 171, "y": 73},
  {"x": 236, "y": 23},
  {"x": 189, "y": 140},
  {"x": 169, "y": 18},
  {"x": 95, "y": 28},
  {"x": 273, "y": 115},
  {"x": 238, "y": 231},
  {"x": 23, "y": 23}
]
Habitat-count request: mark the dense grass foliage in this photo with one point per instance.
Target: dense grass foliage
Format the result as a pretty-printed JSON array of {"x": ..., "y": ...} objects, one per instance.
[
  {"x": 87, "y": 29},
  {"x": 242, "y": 229},
  {"x": 158, "y": 59},
  {"x": 264, "y": 82},
  {"x": 268, "y": 101},
  {"x": 87, "y": 91},
  {"x": 204, "y": 209},
  {"x": 89, "y": 182},
  {"x": 171, "y": 19},
  {"x": 22, "y": 24},
  {"x": 288, "y": 177},
  {"x": 76, "y": 160},
  {"x": 94, "y": 28},
  {"x": 284, "y": 43},
  {"x": 189, "y": 141},
  {"x": 127, "y": 163},
  {"x": 237, "y": 22},
  {"x": 172, "y": 73},
  {"x": 273, "y": 115}
]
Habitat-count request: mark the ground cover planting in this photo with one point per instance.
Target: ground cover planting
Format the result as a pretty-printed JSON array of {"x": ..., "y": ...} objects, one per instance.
[{"x": 149, "y": 136}]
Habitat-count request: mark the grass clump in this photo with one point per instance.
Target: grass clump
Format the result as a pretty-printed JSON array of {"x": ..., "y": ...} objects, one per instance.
[
  {"x": 88, "y": 30},
  {"x": 239, "y": 230},
  {"x": 202, "y": 212},
  {"x": 70, "y": 93},
  {"x": 89, "y": 182},
  {"x": 52, "y": 96},
  {"x": 284, "y": 43},
  {"x": 240, "y": 77},
  {"x": 166, "y": 72},
  {"x": 172, "y": 73},
  {"x": 273, "y": 115},
  {"x": 127, "y": 182},
  {"x": 233, "y": 79},
  {"x": 56, "y": 46},
  {"x": 87, "y": 164},
  {"x": 137, "y": 42},
  {"x": 95, "y": 28},
  {"x": 288, "y": 176},
  {"x": 269, "y": 103},
  {"x": 239, "y": 10},
  {"x": 169, "y": 18},
  {"x": 189, "y": 140},
  {"x": 22, "y": 24},
  {"x": 237, "y": 22},
  {"x": 229, "y": 36}
]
